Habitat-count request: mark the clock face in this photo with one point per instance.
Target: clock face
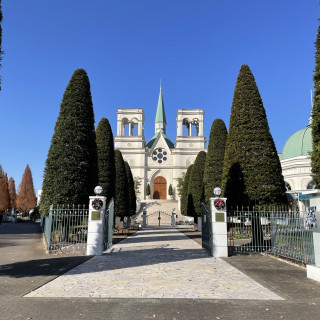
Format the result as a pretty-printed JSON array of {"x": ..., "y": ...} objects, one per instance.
[{"x": 97, "y": 204}]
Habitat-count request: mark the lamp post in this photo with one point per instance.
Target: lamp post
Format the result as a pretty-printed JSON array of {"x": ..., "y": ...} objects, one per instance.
[{"x": 217, "y": 191}]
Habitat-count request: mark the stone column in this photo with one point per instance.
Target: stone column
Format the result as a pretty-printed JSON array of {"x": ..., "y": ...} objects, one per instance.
[
  {"x": 144, "y": 218},
  {"x": 219, "y": 229},
  {"x": 313, "y": 271},
  {"x": 173, "y": 218},
  {"x": 95, "y": 238}
]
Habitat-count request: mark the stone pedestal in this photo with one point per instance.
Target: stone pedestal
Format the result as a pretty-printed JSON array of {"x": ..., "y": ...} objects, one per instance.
[
  {"x": 313, "y": 271},
  {"x": 219, "y": 229},
  {"x": 144, "y": 220},
  {"x": 95, "y": 238},
  {"x": 173, "y": 219}
]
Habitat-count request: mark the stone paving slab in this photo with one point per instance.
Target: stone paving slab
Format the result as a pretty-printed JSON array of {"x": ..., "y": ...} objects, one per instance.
[{"x": 156, "y": 263}]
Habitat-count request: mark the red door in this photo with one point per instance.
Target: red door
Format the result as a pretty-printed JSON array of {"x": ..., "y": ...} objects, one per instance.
[{"x": 160, "y": 188}]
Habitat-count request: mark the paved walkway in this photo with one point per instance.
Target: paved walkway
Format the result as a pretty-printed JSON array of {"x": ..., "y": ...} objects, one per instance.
[
  {"x": 156, "y": 263},
  {"x": 24, "y": 267}
]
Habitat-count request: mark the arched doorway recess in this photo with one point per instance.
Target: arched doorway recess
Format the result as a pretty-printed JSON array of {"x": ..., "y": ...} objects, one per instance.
[{"x": 160, "y": 188}]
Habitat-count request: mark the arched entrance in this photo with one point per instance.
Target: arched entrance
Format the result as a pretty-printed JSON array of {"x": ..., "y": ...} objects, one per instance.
[{"x": 160, "y": 188}]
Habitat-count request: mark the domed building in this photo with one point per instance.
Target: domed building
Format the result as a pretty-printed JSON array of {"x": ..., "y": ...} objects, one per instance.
[{"x": 296, "y": 169}]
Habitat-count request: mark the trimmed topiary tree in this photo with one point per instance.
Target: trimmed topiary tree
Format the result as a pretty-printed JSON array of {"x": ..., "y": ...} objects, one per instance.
[
  {"x": 106, "y": 162},
  {"x": 185, "y": 193},
  {"x": 252, "y": 172},
  {"x": 315, "y": 155},
  {"x": 170, "y": 190},
  {"x": 121, "y": 195},
  {"x": 131, "y": 192},
  {"x": 195, "y": 188},
  {"x": 148, "y": 190},
  {"x": 214, "y": 161},
  {"x": 71, "y": 172}
]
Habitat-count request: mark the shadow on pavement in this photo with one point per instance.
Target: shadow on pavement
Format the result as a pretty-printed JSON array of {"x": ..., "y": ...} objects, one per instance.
[{"x": 41, "y": 267}]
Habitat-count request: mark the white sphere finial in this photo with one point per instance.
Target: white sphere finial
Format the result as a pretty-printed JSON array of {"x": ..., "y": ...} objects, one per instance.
[
  {"x": 98, "y": 190},
  {"x": 217, "y": 191}
]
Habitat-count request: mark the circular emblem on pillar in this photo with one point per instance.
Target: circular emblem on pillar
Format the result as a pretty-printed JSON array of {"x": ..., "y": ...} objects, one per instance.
[
  {"x": 97, "y": 204},
  {"x": 219, "y": 204}
]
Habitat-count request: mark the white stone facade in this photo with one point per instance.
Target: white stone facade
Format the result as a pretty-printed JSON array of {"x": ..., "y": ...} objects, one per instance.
[{"x": 160, "y": 157}]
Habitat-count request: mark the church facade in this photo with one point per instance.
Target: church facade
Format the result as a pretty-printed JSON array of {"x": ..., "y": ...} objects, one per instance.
[{"x": 159, "y": 162}]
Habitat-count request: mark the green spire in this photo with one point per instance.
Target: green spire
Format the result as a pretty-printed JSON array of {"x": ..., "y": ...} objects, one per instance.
[{"x": 160, "y": 116}]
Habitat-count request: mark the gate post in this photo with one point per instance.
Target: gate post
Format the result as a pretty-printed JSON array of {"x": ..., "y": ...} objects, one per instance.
[
  {"x": 173, "y": 218},
  {"x": 144, "y": 218},
  {"x": 95, "y": 238},
  {"x": 219, "y": 238}
]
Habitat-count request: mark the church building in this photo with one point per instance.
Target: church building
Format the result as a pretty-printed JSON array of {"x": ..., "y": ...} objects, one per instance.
[{"x": 159, "y": 162}]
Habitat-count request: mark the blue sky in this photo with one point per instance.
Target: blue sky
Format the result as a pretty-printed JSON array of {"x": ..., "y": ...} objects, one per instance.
[{"x": 195, "y": 46}]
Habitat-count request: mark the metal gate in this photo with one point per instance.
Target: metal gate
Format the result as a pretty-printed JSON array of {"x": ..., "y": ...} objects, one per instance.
[
  {"x": 108, "y": 225},
  {"x": 159, "y": 218},
  {"x": 206, "y": 228}
]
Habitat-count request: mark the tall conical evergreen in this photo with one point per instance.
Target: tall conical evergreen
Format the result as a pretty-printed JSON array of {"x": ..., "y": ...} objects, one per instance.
[
  {"x": 195, "y": 188},
  {"x": 252, "y": 172},
  {"x": 315, "y": 156},
  {"x": 121, "y": 203},
  {"x": 106, "y": 161},
  {"x": 184, "y": 196},
  {"x": 131, "y": 193},
  {"x": 214, "y": 161},
  {"x": 71, "y": 172}
]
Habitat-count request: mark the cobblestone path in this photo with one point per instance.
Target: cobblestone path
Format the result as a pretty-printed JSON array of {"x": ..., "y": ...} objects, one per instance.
[{"x": 155, "y": 263}]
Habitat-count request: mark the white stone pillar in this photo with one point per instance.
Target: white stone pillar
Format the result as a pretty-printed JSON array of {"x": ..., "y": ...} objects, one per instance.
[
  {"x": 219, "y": 228},
  {"x": 313, "y": 271},
  {"x": 190, "y": 129},
  {"x": 179, "y": 128},
  {"x": 144, "y": 218},
  {"x": 95, "y": 238},
  {"x": 173, "y": 218},
  {"x": 200, "y": 134},
  {"x": 140, "y": 133}
]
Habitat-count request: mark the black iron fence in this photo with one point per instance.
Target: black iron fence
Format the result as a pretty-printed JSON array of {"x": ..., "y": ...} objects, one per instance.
[
  {"x": 282, "y": 233},
  {"x": 66, "y": 230}
]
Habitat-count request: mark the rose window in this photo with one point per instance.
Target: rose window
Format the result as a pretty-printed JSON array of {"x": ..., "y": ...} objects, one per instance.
[{"x": 160, "y": 155}]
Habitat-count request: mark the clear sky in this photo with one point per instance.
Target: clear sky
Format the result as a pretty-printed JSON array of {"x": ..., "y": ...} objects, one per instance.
[{"x": 195, "y": 46}]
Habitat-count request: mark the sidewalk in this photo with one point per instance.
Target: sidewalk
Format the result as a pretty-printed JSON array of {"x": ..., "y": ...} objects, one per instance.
[{"x": 31, "y": 268}]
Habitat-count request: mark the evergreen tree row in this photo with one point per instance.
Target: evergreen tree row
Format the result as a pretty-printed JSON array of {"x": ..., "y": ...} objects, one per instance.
[
  {"x": 244, "y": 162},
  {"x": 80, "y": 158}
]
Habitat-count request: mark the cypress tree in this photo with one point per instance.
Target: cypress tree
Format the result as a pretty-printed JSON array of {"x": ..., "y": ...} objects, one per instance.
[
  {"x": 71, "y": 172},
  {"x": 184, "y": 196},
  {"x": 195, "y": 188},
  {"x": 26, "y": 198},
  {"x": 252, "y": 172},
  {"x": 131, "y": 192},
  {"x": 214, "y": 161},
  {"x": 315, "y": 155},
  {"x": 121, "y": 205},
  {"x": 106, "y": 165}
]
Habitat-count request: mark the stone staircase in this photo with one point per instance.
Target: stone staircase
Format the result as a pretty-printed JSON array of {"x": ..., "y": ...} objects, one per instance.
[{"x": 165, "y": 208}]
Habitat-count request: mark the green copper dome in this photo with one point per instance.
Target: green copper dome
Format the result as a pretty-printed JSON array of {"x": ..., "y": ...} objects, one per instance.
[{"x": 299, "y": 144}]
